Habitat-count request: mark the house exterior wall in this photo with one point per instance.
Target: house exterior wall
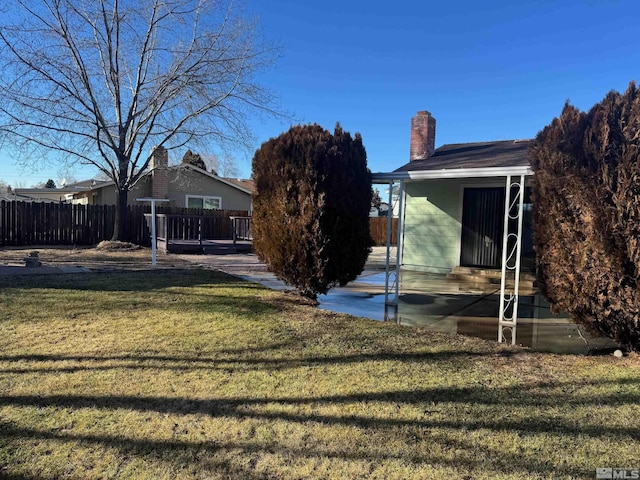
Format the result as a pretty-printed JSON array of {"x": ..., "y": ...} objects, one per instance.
[
  {"x": 107, "y": 195},
  {"x": 183, "y": 182},
  {"x": 433, "y": 222},
  {"x": 432, "y": 225}
]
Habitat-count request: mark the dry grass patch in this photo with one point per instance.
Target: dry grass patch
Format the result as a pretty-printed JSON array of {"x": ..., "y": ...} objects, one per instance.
[
  {"x": 194, "y": 374},
  {"x": 117, "y": 246}
]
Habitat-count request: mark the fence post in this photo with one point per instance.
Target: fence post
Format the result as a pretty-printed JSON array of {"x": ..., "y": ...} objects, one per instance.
[
  {"x": 234, "y": 228},
  {"x": 2, "y": 223}
]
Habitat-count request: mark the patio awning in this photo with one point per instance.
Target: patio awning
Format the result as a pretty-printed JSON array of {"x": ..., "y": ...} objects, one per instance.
[
  {"x": 512, "y": 240},
  {"x": 485, "y": 172}
]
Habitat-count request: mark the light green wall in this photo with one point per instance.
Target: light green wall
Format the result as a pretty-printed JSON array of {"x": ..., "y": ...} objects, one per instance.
[
  {"x": 433, "y": 222},
  {"x": 432, "y": 225}
]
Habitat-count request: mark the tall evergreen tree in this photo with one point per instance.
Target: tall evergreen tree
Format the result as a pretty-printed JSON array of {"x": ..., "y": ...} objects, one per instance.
[
  {"x": 587, "y": 215},
  {"x": 311, "y": 207}
]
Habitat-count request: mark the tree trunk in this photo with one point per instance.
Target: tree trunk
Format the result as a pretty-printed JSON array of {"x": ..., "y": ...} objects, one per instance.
[{"x": 120, "y": 232}]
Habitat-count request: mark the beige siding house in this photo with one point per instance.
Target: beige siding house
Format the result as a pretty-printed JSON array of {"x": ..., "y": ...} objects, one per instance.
[{"x": 183, "y": 185}]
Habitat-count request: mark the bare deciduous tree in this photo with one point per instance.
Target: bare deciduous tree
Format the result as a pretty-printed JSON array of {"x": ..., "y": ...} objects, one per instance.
[
  {"x": 103, "y": 82},
  {"x": 225, "y": 165}
]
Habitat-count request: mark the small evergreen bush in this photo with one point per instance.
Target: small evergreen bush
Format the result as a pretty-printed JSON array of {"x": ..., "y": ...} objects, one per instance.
[
  {"x": 586, "y": 215},
  {"x": 311, "y": 207}
]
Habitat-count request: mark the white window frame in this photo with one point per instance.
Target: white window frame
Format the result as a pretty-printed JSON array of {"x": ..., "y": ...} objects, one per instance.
[{"x": 204, "y": 197}]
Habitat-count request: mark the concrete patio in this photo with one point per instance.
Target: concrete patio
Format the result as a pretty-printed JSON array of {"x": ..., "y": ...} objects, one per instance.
[{"x": 429, "y": 300}]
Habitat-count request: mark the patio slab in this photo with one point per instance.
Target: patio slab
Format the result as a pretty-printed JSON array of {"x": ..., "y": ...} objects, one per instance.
[
  {"x": 426, "y": 300},
  {"x": 430, "y": 300}
]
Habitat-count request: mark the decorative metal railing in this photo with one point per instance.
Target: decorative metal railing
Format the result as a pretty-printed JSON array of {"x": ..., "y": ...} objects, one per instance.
[{"x": 511, "y": 254}]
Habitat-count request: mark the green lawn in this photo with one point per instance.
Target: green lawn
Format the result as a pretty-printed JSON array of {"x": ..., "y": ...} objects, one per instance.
[{"x": 193, "y": 374}]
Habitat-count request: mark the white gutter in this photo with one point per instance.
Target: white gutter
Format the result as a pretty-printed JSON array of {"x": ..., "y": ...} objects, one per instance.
[{"x": 451, "y": 173}]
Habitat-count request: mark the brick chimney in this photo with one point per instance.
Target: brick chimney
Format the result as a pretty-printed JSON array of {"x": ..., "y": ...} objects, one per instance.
[
  {"x": 159, "y": 172},
  {"x": 423, "y": 136}
]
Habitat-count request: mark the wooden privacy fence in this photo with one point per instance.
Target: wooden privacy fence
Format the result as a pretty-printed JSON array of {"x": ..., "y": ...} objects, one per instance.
[
  {"x": 378, "y": 228},
  {"x": 25, "y": 223}
]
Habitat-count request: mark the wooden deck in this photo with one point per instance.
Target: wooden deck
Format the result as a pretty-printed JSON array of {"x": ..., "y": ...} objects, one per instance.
[{"x": 205, "y": 234}]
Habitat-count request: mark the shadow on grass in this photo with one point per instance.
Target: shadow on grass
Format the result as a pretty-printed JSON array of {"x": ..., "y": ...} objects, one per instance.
[
  {"x": 184, "y": 452},
  {"x": 181, "y": 453},
  {"x": 502, "y": 460},
  {"x": 246, "y": 308},
  {"x": 243, "y": 361},
  {"x": 127, "y": 281},
  {"x": 20, "y": 476},
  {"x": 158, "y": 288},
  {"x": 427, "y": 398}
]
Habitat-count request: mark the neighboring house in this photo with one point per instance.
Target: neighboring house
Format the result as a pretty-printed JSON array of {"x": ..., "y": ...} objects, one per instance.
[
  {"x": 53, "y": 195},
  {"x": 184, "y": 185},
  {"x": 383, "y": 211},
  {"x": 45, "y": 195},
  {"x": 7, "y": 194},
  {"x": 454, "y": 201},
  {"x": 50, "y": 195}
]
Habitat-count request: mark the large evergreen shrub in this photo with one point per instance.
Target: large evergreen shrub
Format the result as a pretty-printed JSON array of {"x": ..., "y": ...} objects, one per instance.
[
  {"x": 587, "y": 215},
  {"x": 311, "y": 207}
]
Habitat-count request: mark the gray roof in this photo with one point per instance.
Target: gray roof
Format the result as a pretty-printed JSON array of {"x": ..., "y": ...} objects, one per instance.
[
  {"x": 507, "y": 153},
  {"x": 13, "y": 197},
  {"x": 83, "y": 184}
]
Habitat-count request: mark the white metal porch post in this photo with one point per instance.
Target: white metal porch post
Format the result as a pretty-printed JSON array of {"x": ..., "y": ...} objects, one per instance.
[
  {"x": 387, "y": 277},
  {"x": 399, "y": 238},
  {"x": 513, "y": 210},
  {"x": 392, "y": 277}
]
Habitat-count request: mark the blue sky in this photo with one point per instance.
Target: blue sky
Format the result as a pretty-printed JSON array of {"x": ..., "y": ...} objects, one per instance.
[{"x": 491, "y": 70}]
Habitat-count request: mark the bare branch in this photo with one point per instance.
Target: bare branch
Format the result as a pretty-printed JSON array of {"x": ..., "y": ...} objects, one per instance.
[{"x": 106, "y": 81}]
